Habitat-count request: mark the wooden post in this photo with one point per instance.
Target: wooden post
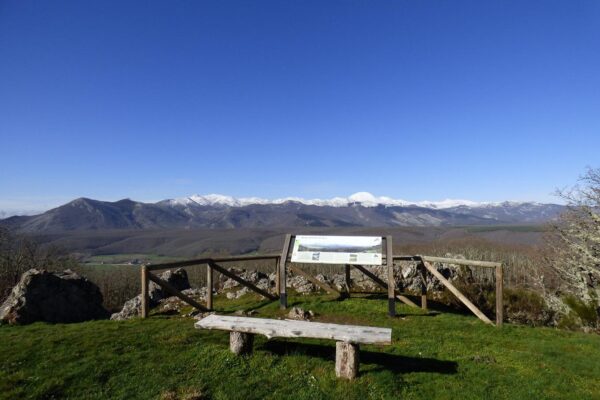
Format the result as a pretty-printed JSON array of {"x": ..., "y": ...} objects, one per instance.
[
  {"x": 391, "y": 282},
  {"x": 145, "y": 292},
  {"x": 277, "y": 276},
  {"x": 346, "y": 360},
  {"x": 209, "y": 286},
  {"x": 240, "y": 342},
  {"x": 423, "y": 286},
  {"x": 348, "y": 280},
  {"x": 282, "y": 272},
  {"x": 499, "y": 295}
]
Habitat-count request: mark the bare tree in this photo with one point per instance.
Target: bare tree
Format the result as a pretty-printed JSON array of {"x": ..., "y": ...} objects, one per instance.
[
  {"x": 19, "y": 254},
  {"x": 574, "y": 249}
]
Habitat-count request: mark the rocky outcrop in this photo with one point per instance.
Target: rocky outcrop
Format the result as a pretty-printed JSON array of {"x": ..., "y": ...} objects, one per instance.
[
  {"x": 174, "y": 305},
  {"x": 177, "y": 278},
  {"x": 132, "y": 308},
  {"x": 56, "y": 297},
  {"x": 407, "y": 279}
]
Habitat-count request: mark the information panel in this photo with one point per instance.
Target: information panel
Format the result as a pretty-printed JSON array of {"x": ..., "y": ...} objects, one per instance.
[{"x": 361, "y": 250}]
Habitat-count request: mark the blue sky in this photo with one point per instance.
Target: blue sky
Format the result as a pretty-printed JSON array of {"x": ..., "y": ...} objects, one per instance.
[{"x": 420, "y": 100}]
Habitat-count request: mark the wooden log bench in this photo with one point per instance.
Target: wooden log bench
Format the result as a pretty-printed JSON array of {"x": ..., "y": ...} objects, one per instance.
[{"x": 348, "y": 337}]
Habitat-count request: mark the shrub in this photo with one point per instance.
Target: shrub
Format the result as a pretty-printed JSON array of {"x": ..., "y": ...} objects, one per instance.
[
  {"x": 527, "y": 307},
  {"x": 581, "y": 314}
]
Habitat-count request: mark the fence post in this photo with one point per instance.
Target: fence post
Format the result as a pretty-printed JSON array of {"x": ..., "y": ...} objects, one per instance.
[
  {"x": 209, "y": 286},
  {"x": 348, "y": 279},
  {"x": 391, "y": 283},
  {"x": 145, "y": 296},
  {"x": 277, "y": 260},
  {"x": 282, "y": 272},
  {"x": 423, "y": 286},
  {"x": 499, "y": 295}
]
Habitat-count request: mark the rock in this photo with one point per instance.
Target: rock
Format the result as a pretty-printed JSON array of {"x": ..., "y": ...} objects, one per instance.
[
  {"x": 407, "y": 276},
  {"x": 258, "y": 278},
  {"x": 263, "y": 284},
  {"x": 245, "y": 313},
  {"x": 131, "y": 308},
  {"x": 272, "y": 279},
  {"x": 300, "y": 284},
  {"x": 198, "y": 294},
  {"x": 254, "y": 276},
  {"x": 299, "y": 314},
  {"x": 228, "y": 283},
  {"x": 177, "y": 278},
  {"x": 56, "y": 297},
  {"x": 173, "y": 304},
  {"x": 361, "y": 281},
  {"x": 339, "y": 282},
  {"x": 198, "y": 316},
  {"x": 170, "y": 305},
  {"x": 238, "y": 294}
]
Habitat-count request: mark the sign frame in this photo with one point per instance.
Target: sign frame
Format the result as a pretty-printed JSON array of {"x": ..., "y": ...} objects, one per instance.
[
  {"x": 334, "y": 249},
  {"x": 288, "y": 244}
]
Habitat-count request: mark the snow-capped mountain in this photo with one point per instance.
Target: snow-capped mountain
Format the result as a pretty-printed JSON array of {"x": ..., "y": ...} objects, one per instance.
[
  {"x": 217, "y": 211},
  {"x": 365, "y": 199}
]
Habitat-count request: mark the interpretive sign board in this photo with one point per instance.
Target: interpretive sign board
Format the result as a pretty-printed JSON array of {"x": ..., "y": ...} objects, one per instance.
[{"x": 360, "y": 250}]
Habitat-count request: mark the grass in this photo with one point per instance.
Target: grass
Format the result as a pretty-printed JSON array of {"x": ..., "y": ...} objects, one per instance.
[
  {"x": 124, "y": 259},
  {"x": 433, "y": 356}
]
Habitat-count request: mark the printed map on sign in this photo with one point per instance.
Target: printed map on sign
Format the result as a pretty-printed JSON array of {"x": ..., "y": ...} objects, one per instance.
[{"x": 362, "y": 250}]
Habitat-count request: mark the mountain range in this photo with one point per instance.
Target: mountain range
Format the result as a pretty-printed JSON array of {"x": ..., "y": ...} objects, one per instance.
[{"x": 218, "y": 211}]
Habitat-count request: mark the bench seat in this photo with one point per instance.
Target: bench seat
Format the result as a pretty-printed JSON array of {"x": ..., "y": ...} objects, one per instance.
[{"x": 348, "y": 337}]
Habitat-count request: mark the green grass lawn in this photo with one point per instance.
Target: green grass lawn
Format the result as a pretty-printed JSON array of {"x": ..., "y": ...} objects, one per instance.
[{"x": 433, "y": 356}]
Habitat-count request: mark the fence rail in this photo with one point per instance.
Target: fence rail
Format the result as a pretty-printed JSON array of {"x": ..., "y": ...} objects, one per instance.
[{"x": 425, "y": 265}]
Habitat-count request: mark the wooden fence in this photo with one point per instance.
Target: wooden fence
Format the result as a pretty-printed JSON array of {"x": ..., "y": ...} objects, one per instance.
[{"x": 425, "y": 265}]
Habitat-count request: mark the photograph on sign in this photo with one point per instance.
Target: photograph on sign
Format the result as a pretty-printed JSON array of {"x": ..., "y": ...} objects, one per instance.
[{"x": 361, "y": 250}]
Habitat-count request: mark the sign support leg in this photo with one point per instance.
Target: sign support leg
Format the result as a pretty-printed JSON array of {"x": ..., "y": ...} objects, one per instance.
[{"x": 391, "y": 283}]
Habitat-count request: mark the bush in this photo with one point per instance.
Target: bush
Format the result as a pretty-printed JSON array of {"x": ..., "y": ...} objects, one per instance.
[
  {"x": 521, "y": 306},
  {"x": 526, "y": 307},
  {"x": 581, "y": 314}
]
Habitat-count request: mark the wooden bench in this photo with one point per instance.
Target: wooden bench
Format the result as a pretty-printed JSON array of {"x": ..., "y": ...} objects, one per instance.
[{"x": 348, "y": 337}]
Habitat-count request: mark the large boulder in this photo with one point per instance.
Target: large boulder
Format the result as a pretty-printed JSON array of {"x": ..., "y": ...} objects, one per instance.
[
  {"x": 177, "y": 278},
  {"x": 52, "y": 297},
  {"x": 133, "y": 307}
]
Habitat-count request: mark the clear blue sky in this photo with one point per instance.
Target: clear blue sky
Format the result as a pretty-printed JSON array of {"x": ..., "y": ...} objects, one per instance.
[{"x": 410, "y": 99}]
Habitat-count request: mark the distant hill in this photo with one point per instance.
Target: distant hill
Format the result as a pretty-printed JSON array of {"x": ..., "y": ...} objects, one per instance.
[{"x": 214, "y": 211}]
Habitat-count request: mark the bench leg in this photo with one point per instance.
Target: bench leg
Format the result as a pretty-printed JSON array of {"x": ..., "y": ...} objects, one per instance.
[
  {"x": 240, "y": 342},
  {"x": 346, "y": 360}
]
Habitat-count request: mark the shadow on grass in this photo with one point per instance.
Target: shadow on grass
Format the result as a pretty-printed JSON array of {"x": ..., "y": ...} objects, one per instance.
[
  {"x": 433, "y": 307},
  {"x": 385, "y": 361},
  {"x": 252, "y": 307}
]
